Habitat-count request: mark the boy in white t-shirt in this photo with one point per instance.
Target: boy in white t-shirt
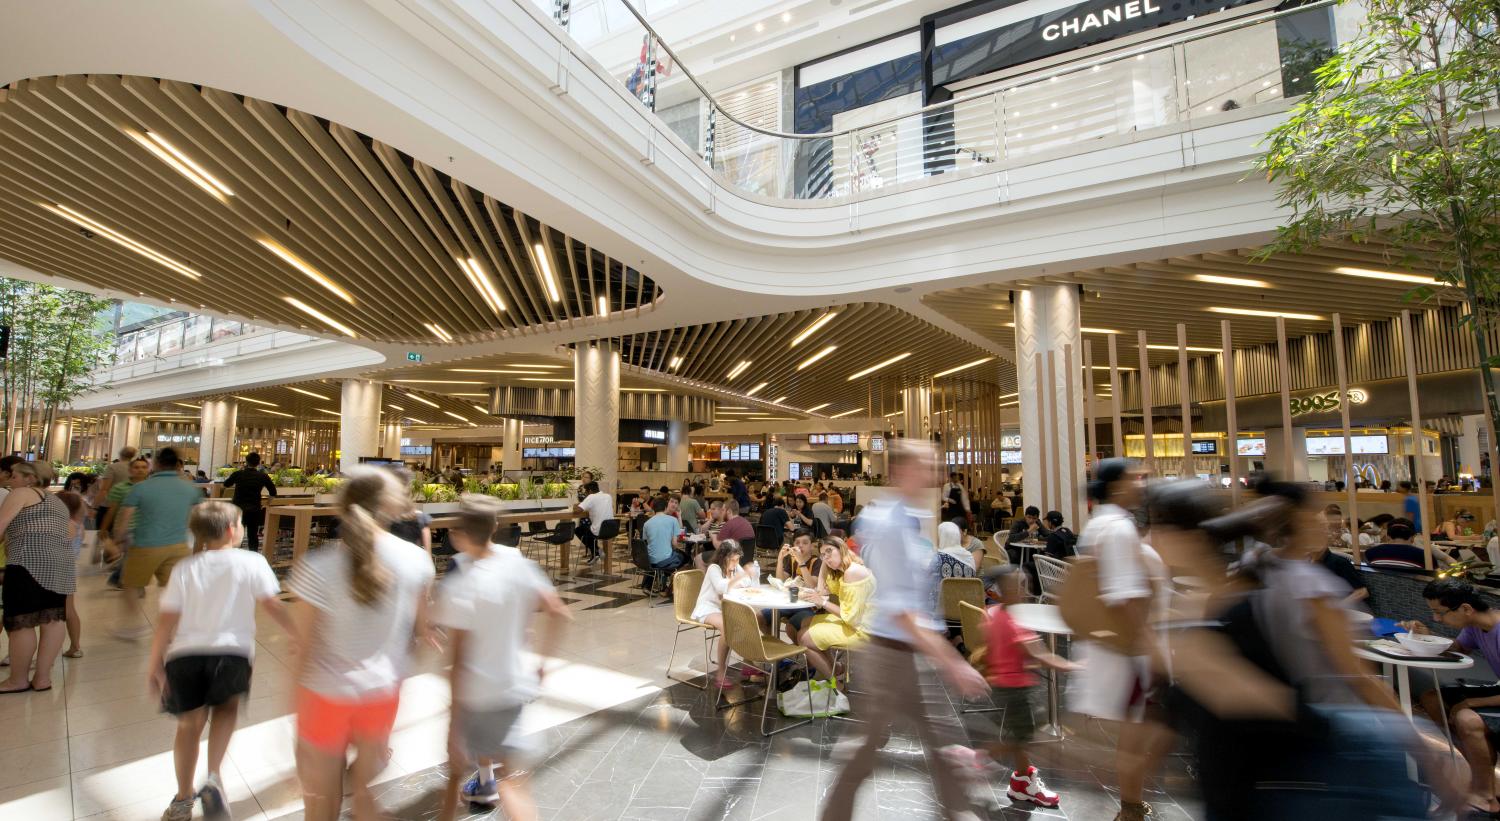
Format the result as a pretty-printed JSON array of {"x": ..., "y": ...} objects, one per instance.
[
  {"x": 486, "y": 610},
  {"x": 205, "y": 640}
]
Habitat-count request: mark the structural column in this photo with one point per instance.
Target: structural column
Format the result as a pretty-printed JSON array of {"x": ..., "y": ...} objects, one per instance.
[
  {"x": 679, "y": 454},
  {"x": 916, "y": 413},
  {"x": 390, "y": 446},
  {"x": 359, "y": 421},
  {"x": 60, "y": 440},
  {"x": 1049, "y": 374},
  {"x": 124, "y": 432},
  {"x": 216, "y": 445},
  {"x": 596, "y": 410},
  {"x": 512, "y": 436}
]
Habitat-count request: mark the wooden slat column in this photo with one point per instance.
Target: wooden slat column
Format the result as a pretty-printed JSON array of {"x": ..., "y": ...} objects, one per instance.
[
  {"x": 1409, "y": 348},
  {"x": 1185, "y": 400},
  {"x": 1231, "y": 415},
  {"x": 1350, "y": 477}
]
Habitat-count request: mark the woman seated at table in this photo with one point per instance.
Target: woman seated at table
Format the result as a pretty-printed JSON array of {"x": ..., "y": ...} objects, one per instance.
[
  {"x": 842, "y": 600},
  {"x": 801, "y": 513},
  {"x": 724, "y": 574},
  {"x": 953, "y": 560},
  {"x": 1458, "y": 526}
]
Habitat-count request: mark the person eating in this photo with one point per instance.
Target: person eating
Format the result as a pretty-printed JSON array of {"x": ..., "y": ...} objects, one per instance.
[
  {"x": 1398, "y": 552},
  {"x": 842, "y": 600}
]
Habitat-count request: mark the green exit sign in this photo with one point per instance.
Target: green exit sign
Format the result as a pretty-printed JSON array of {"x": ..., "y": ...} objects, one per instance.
[{"x": 413, "y": 356}]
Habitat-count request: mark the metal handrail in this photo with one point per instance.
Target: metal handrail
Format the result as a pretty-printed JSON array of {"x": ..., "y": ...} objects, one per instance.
[{"x": 1071, "y": 67}]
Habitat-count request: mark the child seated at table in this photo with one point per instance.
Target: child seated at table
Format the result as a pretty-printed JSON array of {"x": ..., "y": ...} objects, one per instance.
[
  {"x": 727, "y": 571},
  {"x": 1010, "y": 652}
]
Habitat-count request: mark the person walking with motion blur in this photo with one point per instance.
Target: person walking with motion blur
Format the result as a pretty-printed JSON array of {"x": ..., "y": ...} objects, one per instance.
[
  {"x": 155, "y": 513},
  {"x": 248, "y": 482},
  {"x": 905, "y": 644},
  {"x": 362, "y": 603},
  {"x": 1010, "y": 652},
  {"x": 487, "y": 610},
  {"x": 39, "y": 577},
  {"x": 205, "y": 643}
]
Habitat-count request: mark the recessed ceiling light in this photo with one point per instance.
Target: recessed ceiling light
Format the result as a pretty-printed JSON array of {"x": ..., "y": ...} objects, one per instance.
[
  {"x": 396, "y": 407},
  {"x": 329, "y": 412},
  {"x": 415, "y": 419},
  {"x": 455, "y": 416},
  {"x": 120, "y": 239},
  {"x": 847, "y": 413},
  {"x": 1190, "y": 349},
  {"x": 975, "y": 363},
  {"x": 437, "y": 331},
  {"x": 893, "y": 413},
  {"x": 873, "y": 368},
  {"x": 481, "y": 282},
  {"x": 424, "y": 400},
  {"x": 737, "y": 370},
  {"x": 813, "y": 327},
  {"x": 256, "y": 401},
  {"x": 816, "y": 408},
  {"x": 1242, "y": 282},
  {"x": 310, "y": 272},
  {"x": 786, "y": 17},
  {"x": 441, "y": 381},
  {"x": 603, "y": 305},
  {"x": 757, "y": 389},
  {"x": 676, "y": 360},
  {"x": 543, "y": 379},
  {"x": 1009, "y": 395},
  {"x": 181, "y": 163},
  {"x": 1414, "y": 279},
  {"x": 545, "y": 264},
  {"x": 815, "y": 357},
  {"x": 308, "y": 393},
  {"x": 1272, "y": 314},
  {"x": 1009, "y": 404},
  {"x": 275, "y": 413},
  {"x": 1084, "y": 330},
  {"x": 759, "y": 27},
  {"x": 778, "y": 400},
  {"x": 481, "y": 410},
  {"x": 1117, "y": 367},
  {"x": 187, "y": 405}
]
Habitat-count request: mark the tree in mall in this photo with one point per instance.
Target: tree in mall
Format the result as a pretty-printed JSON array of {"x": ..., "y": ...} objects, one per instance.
[
  {"x": 57, "y": 343},
  {"x": 1391, "y": 146}
]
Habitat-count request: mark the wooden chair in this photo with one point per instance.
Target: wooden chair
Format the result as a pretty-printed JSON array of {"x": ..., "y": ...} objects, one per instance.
[
  {"x": 956, "y": 591},
  {"x": 971, "y": 619},
  {"x": 992, "y": 561},
  {"x": 742, "y": 631},
  {"x": 685, "y": 587},
  {"x": 1050, "y": 575}
]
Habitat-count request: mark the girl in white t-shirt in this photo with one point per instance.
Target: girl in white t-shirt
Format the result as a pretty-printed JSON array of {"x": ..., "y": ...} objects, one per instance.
[
  {"x": 724, "y": 574},
  {"x": 363, "y": 601},
  {"x": 205, "y": 642}
]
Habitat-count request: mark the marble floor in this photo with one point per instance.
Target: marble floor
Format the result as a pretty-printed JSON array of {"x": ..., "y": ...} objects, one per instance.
[{"x": 622, "y": 741}]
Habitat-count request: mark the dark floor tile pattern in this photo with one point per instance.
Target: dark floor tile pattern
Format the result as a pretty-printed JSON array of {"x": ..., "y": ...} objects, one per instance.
[{"x": 673, "y": 757}]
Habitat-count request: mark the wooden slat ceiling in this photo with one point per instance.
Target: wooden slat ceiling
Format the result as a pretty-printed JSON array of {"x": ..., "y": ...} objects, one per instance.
[
  {"x": 1155, "y": 296},
  {"x": 865, "y": 334},
  {"x": 283, "y": 405},
  {"x": 384, "y": 228}
]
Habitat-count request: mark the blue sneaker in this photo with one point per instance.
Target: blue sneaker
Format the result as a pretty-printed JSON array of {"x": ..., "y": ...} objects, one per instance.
[{"x": 480, "y": 792}]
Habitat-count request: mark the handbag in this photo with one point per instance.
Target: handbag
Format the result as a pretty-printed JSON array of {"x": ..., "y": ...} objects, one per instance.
[
  {"x": 817, "y": 699},
  {"x": 1087, "y": 615}
]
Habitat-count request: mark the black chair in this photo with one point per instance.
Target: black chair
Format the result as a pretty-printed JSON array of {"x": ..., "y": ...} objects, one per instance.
[
  {"x": 558, "y": 537},
  {"x": 651, "y": 577},
  {"x": 819, "y": 530},
  {"x": 766, "y": 538},
  {"x": 609, "y": 530},
  {"x": 508, "y": 535}
]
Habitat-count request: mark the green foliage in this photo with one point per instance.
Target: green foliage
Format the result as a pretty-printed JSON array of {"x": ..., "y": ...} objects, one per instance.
[
  {"x": 1390, "y": 147},
  {"x": 289, "y": 477},
  {"x": 435, "y": 493},
  {"x": 223, "y": 473},
  {"x": 56, "y": 348},
  {"x": 505, "y": 491}
]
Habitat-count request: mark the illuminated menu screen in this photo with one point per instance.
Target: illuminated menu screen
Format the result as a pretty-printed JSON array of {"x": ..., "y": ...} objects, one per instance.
[
  {"x": 833, "y": 439},
  {"x": 1205, "y": 446},
  {"x": 743, "y": 452},
  {"x": 1010, "y": 457},
  {"x": 548, "y": 453},
  {"x": 1334, "y": 445},
  {"x": 1251, "y": 447}
]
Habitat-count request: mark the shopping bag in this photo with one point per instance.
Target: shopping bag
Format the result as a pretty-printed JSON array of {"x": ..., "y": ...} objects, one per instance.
[{"x": 823, "y": 701}]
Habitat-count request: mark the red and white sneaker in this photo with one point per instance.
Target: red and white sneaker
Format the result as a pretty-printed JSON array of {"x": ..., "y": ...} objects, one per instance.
[{"x": 1028, "y": 786}]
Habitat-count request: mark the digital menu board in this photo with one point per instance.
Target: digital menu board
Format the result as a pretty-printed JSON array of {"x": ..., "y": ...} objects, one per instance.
[
  {"x": 1205, "y": 446},
  {"x": 833, "y": 438},
  {"x": 1251, "y": 447},
  {"x": 1334, "y": 445},
  {"x": 740, "y": 452},
  {"x": 1010, "y": 457},
  {"x": 793, "y": 471},
  {"x": 548, "y": 453}
]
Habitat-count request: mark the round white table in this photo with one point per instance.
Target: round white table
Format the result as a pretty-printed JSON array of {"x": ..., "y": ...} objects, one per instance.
[
  {"x": 1402, "y": 665},
  {"x": 1047, "y": 620},
  {"x": 765, "y": 597}
]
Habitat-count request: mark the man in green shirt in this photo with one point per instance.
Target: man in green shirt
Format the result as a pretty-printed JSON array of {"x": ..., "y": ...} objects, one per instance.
[
  {"x": 155, "y": 512},
  {"x": 690, "y": 508}
]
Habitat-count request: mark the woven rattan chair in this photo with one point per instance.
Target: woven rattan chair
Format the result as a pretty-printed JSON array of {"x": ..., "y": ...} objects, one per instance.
[
  {"x": 685, "y": 587},
  {"x": 742, "y": 631}
]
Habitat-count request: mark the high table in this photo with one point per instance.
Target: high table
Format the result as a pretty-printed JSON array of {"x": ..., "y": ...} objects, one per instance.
[
  {"x": 302, "y": 516},
  {"x": 1045, "y": 619}
]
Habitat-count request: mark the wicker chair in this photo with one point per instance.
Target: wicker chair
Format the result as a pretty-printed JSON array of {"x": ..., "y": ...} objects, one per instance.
[
  {"x": 958, "y": 590},
  {"x": 685, "y": 587},
  {"x": 972, "y": 620},
  {"x": 742, "y": 631},
  {"x": 1050, "y": 575}
]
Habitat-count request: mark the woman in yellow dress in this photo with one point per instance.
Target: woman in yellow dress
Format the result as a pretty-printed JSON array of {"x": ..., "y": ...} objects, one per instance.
[{"x": 842, "y": 598}]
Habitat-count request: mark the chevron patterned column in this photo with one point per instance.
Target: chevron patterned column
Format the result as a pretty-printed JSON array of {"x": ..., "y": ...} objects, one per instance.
[
  {"x": 596, "y": 411},
  {"x": 512, "y": 436},
  {"x": 916, "y": 413},
  {"x": 1049, "y": 373},
  {"x": 359, "y": 421},
  {"x": 217, "y": 421}
]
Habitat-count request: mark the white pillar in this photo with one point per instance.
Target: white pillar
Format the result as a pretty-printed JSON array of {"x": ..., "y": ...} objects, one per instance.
[
  {"x": 390, "y": 447},
  {"x": 1049, "y": 372},
  {"x": 299, "y": 444},
  {"x": 216, "y": 444},
  {"x": 60, "y": 440},
  {"x": 359, "y": 421},
  {"x": 511, "y": 436},
  {"x": 596, "y": 410},
  {"x": 1275, "y": 458},
  {"x": 124, "y": 432},
  {"x": 916, "y": 413},
  {"x": 679, "y": 455}
]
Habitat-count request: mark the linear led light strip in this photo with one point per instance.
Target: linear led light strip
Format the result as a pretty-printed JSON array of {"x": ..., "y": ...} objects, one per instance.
[
  {"x": 180, "y": 162},
  {"x": 456, "y": 416},
  {"x": 676, "y": 361},
  {"x": 320, "y": 316},
  {"x": 439, "y": 381},
  {"x": 437, "y": 331},
  {"x": 1083, "y": 330},
  {"x": 307, "y": 270},
  {"x": 1241, "y": 282},
  {"x": 427, "y": 402},
  {"x": 973, "y": 364},
  {"x": 1272, "y": 314},
  {"x": 816, "y": 408},
  {"x": 120, "y": 239},
  {"x": 815, "y": 357},
  {"x": 482, "y": 284},
  {"x": 1414, "y": 279},
  {"x": 1190, "y": 349},
  {"x": 308, "y": 393},
  {"x": 256, "y": 401},
  {"x": 757, "y": 389},
  {"x": 548, "y": 279},
  {"x": 847, "y": 413},
  {"x": 813, "y": 328},
  {"x": 737, "y": 370},
  {"x": 873, "y": 368}
]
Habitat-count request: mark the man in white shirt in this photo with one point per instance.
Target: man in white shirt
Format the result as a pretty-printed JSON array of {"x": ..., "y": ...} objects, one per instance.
[{"x": 597, "y": 508}]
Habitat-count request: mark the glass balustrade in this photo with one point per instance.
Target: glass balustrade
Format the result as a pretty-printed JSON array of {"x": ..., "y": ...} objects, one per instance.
[
  {"x": 174, "y": 336},
  {"x": 1133, "y": 91}
]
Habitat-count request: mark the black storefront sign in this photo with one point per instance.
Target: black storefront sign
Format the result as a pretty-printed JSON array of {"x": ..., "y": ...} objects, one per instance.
[{"x": 1058, "y": 31}]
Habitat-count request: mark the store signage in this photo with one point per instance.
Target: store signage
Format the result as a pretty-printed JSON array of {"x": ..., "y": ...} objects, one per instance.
[
  {"x": 162, "y": 437},
  {"x": 1324, "y": 402},
  {"x": 1113, "y": 15},
  {"x": 1010, "y": 441},
  {"x": 654, "y": 434},
  {"x": 537, "y": 439}
]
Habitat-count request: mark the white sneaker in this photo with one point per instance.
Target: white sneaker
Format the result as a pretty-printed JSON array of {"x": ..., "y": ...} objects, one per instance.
[{"x": 1028, "y": 786}]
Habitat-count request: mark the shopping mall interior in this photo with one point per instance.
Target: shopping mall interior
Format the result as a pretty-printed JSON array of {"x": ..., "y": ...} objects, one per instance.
[{"x": 815, "y": 259}]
